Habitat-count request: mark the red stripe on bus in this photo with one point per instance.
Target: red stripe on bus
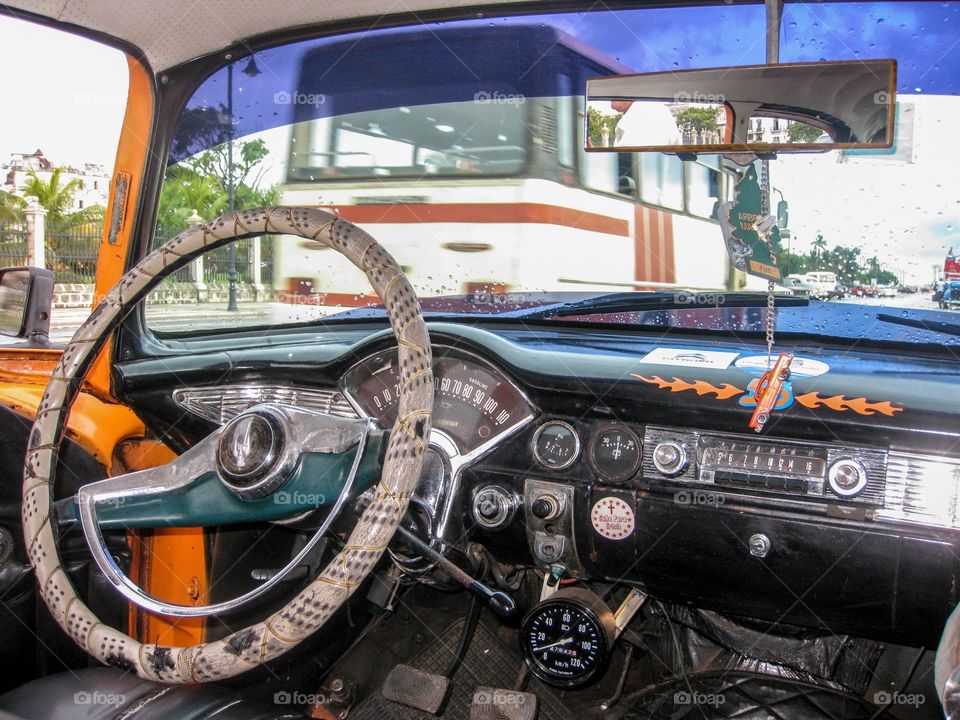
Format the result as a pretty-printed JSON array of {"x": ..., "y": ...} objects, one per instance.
[
  {"x": 483, "y": 213},
  {"x": 653, "y": 253}
]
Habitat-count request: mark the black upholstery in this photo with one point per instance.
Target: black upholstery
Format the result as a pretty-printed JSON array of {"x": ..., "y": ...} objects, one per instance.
[{"x": 108, "y": 694}]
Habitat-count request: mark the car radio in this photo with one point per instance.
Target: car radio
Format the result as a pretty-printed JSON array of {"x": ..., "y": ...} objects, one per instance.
[{"x": 769, "y": 466}]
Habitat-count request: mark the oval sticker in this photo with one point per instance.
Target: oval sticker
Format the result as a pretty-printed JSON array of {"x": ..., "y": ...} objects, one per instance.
[
  {"x": 612, "y": 518},
  {"x": 800, "y": 366}
]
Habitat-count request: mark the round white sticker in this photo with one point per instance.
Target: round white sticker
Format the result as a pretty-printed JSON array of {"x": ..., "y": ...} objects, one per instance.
[
  {"x": 800, "y": 366},
  {"x": 612, "y": 518}
]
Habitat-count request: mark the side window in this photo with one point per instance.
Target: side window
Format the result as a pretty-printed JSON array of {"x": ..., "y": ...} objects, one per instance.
[
  {"x": 661, "y": 181},
  {"x": 58, "y": 142}
]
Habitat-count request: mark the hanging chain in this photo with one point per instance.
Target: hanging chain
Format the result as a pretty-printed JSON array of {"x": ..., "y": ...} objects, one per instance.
[{"x": 771, "y": 319}]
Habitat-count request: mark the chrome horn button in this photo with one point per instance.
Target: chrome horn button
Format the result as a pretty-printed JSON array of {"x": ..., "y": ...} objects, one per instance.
[{"x": 249, "y": 450}]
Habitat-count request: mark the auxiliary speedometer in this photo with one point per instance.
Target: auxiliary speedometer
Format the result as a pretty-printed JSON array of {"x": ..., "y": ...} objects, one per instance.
[{"x": 567, "y": 637}]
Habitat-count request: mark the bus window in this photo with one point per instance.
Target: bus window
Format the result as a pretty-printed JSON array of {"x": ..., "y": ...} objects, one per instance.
[
  {"x": 480, "y": 137},
  {"x": 566, "y": 136},
  {"x": 661, "y": 180},
  {"x": 704, "y": 186}
]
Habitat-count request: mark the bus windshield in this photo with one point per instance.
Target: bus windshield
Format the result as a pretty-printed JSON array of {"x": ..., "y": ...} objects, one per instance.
[{"x": 460, "y": 146}]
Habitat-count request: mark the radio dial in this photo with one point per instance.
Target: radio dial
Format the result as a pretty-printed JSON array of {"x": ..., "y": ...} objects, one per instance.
[
  {"x": 847, "y": 477},
  {"x": 670, "y": 458}
]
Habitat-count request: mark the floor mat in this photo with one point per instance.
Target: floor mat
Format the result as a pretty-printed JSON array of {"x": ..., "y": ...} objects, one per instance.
[{"x": 487, "y": 662}]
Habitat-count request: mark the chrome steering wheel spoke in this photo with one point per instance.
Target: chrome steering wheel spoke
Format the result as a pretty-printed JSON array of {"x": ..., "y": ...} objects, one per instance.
[{"x": 271, "y": 462}]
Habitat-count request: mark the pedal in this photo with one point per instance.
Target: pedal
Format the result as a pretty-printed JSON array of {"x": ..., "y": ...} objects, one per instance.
[
  {"x": 499, "y": 704},
  {"x": 415, "y": 688}
]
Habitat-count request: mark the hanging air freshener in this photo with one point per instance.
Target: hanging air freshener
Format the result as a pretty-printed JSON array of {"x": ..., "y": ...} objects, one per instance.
[{"x": 751, "y": 236}]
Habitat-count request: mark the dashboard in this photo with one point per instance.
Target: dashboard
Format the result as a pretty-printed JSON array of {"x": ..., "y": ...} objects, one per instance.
[{"x": 628, "y": 458}]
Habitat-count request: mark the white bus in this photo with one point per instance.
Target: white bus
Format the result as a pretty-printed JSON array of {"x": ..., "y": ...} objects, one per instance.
[{"x": 486, "y": 159}]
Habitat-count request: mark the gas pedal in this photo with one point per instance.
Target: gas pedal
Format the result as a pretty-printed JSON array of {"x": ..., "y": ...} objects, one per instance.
[
  {"x": 499, "y": 704},
  {"x": 417, "y": 689}
]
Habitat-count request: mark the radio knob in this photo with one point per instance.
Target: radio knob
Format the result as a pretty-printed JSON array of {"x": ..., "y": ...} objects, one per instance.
[
  {"x": 847, "y": 477},
  {"x": 670, "y": 458}
]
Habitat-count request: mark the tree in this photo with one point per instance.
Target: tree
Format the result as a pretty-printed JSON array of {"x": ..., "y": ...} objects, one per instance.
[
  {"x": 56, "y": 197},
  {"x": 596, "y": 121},
  {"x": 800, "y": 133},
  {"x": 201, "y": 183},
  {"x": 698, "y": 120},
  {"x": 11, "y": 207}
]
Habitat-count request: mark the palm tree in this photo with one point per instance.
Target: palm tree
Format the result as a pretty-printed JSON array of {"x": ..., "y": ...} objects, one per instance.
[
  {"x": 56, "y": 198},
  {"x": 818, "y": 246}
]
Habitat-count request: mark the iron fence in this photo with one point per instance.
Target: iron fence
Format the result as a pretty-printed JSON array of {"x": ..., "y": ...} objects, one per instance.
[
  {"x": 13, "y": 244},
  {"x": 72, "y": 252}
]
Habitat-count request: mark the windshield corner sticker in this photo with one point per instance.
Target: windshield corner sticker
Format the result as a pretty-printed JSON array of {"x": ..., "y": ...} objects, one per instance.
[
  {"x": 716, "y": 359},
  {"x": 612, "y": 518},
  {"x": 746, "y": 397},
  {"x": 752, "y": 239}
]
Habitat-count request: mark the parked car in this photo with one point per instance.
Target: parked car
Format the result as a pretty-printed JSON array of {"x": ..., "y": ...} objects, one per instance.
[{"x": 466, "y": 432}]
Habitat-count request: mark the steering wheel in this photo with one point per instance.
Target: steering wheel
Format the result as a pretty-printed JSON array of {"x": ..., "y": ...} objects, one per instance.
[{"x": 240, "y": 473}]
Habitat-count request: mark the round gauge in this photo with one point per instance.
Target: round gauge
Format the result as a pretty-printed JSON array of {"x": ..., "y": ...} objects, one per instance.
[
  {"x": 615, "y": 453},
  {"x": 556, "y": 445},
  {"x": 567, "y": 637}
]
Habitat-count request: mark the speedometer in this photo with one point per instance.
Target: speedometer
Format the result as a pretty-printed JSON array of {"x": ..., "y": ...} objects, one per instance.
[
  {"x": 473, "y": 402},
  {"x": 566, "y": 638}
]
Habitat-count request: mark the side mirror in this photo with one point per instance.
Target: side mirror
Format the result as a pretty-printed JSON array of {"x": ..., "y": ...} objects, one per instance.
[
  {"x": 783, "y": 216},
  {"x": 26, "y": 295}
]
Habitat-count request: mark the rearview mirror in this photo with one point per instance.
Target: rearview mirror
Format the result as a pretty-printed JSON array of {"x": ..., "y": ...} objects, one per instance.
[
  {"x": 26, "y": 295},
  {"x": 800, "y": 107}
]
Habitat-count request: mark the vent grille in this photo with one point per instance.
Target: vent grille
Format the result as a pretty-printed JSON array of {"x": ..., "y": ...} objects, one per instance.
[
  {"x": 548, "y": 129},
  {"x": 222, "y": 403},
  {"x": 922, "y": 490}
]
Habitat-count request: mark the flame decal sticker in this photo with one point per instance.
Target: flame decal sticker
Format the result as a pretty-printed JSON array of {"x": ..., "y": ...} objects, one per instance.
[
  {"x": 701, "y": 387},
  {"x": 841, "y": 403},
  {"x": 812, "y": 400}
]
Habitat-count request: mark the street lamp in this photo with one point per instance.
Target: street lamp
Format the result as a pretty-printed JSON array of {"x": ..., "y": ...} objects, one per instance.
[{"x": 251, "y": 70}]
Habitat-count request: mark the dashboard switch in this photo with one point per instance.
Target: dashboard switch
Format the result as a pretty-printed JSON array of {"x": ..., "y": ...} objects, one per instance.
[
  {"x": 545, "y": 507},
  {"x": 670, "y": 458}
]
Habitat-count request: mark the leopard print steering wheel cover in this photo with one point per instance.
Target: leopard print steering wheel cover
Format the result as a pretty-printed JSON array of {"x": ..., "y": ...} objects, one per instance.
[{"x": 304, "y": 614}]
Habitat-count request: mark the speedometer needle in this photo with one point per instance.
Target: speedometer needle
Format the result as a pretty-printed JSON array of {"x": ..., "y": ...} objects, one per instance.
[{"x": 565, "y": 641}]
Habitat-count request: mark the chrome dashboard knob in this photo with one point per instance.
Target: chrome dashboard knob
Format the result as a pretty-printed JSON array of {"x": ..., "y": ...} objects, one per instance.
[
  {"x": 847, "y": 477},
  {"x": 493, "y": 507},
  {"x": 670, "y": 458}
]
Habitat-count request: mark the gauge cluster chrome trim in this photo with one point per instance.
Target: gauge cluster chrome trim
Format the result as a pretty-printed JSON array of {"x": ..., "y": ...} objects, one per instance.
[{"x": 222, "y": 403}]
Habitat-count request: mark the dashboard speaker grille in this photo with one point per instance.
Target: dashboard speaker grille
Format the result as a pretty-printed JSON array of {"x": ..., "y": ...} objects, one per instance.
[{"x": 222, "y": 403}]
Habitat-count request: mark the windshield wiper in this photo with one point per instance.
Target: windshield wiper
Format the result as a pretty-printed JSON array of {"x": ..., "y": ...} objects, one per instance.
[
  {"x": 640, "y": 302},
  {"x": 932, "y": 325}
]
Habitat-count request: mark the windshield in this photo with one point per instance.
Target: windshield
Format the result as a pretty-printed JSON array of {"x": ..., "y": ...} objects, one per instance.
[{"x": 460, "y": 147}]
